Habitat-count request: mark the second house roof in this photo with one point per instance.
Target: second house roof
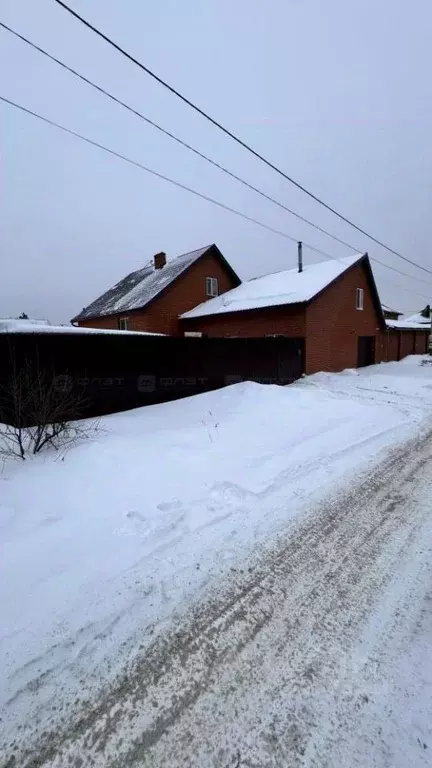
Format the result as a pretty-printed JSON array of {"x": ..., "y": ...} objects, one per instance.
[{"x": 277, "y": 289}]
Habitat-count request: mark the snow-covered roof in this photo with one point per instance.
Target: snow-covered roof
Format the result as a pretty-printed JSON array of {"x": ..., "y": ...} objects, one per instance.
[
  {"x": 418, "y": 318},
  {"x": 409, "y": 325},
  {"x": 138, "y": 288},
  {"x": 28, "y": 326},
  {"x": 277, "y": 289},
  {"x": 386, "y": 308}
]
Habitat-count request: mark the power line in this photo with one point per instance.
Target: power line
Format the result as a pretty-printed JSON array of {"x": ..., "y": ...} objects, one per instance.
[
  {"x": 409, "y": 290},
  {"x": 196, "y": 151},
  {"x": 402, "y": 287},
  {"x": 177, "y": 183},
  {"x": 236, "y": 138},
  {"x": 182, "y": 186},
  {"x": 396, "y": 285},
  {"x": 395, "y": 269},
  {"x": 155, "y": 173},
  {"x": 174, "y": 137}
]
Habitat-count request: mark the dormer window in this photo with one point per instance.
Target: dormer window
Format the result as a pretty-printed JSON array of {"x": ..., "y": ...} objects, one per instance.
[{"x": 212, "y": 287}]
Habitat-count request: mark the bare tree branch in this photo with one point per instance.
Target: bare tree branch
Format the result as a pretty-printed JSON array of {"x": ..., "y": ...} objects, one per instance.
[{"x": 39, "y": 409}]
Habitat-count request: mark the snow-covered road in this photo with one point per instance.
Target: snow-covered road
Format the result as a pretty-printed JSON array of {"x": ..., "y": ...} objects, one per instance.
[
  {"x": 298, "y": 559},
  {"x": 317, "y": 655}
]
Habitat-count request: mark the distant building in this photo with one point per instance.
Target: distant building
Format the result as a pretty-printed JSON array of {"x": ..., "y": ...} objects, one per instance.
[{"x": 390, "y": 314}]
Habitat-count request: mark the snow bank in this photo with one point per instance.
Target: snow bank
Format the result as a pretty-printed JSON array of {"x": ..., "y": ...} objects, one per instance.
[{"x": 103, "y": 545}]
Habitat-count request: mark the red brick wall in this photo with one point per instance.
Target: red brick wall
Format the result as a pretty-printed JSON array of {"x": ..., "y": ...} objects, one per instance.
[
  {"x": 333, "y": 324},
  {"x": 421, "y": 343},
  {"x": 110, "y": 322},
  {"x": 407, "y": 344},
  {"x": 389, "y": 346},
  {"x": 330, "y": 324},
  {"x": 185, "y": 293},
  {"x": 289, "y": 321},
  {"x": 396, "y": 344}
]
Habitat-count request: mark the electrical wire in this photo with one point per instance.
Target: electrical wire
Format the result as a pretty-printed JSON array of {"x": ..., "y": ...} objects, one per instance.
[
  {"x": 151, "y": 171},
  {"x": 233, "y": 136},
  {"x": 177, "y": 183},
  {"x": 197, "y": 152},
  {"x": 174, "y": 137}
]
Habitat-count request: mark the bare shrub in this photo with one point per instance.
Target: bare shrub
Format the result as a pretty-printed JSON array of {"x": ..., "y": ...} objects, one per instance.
[{"x": 38, "y": 410}]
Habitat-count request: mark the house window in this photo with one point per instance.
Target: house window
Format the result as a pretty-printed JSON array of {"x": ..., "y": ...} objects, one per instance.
[
  {"x": 359, "y": 298},
  {"x": 212, "y": 287},
  {"x": 123, "y": 323}
]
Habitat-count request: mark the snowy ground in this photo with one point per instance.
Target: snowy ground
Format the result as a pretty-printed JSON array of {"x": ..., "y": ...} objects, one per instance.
[{"x": 105, "y": 548}]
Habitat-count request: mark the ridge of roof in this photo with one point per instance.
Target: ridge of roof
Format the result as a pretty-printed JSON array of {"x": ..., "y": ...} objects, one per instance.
[{"x": 276, "y": 289}]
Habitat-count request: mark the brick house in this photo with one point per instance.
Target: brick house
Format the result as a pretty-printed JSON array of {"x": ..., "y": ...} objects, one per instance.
[
  {"x": 152, "y": 298},
  {"x": 331, "y": 308},
  {"x": 404, "y": 337}
]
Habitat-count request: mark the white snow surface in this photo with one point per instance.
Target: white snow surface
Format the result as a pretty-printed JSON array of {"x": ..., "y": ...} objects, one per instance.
[
  {"x": 32, "y": 326},
  {"x": 409, "y": 325},
  {"x": 418, "y": 318},
  {"x": 7, "y": 323},
  {"x": 277, "y": 289},
  {"x": 104, "y": 545}
]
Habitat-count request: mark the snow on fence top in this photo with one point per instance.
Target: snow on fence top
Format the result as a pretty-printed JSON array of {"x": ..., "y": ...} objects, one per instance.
[
  {"x": 36, "y": 326},
  {"x": 409, "y": 325},
  {"x": 277, "y": 289}
]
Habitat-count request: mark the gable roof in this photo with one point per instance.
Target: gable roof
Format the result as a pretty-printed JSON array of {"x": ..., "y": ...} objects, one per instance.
[
  {"x": 139, "y": 288},
  {"x": 280, "y": 288}
]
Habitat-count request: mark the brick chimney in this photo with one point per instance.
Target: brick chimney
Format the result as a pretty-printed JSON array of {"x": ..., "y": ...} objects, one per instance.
[{"x": 159, "y": 260}]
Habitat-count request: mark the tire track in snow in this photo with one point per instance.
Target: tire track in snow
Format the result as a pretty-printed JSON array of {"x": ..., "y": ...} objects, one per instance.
[{"x": 250, "y": 663}]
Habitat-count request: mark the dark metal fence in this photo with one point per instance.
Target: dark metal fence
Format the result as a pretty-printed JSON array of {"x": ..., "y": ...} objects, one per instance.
[{"x": 116, "y": 372}]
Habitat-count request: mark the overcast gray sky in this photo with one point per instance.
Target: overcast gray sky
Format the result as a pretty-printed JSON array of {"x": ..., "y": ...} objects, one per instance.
[{"x": 336, "y": 93}]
